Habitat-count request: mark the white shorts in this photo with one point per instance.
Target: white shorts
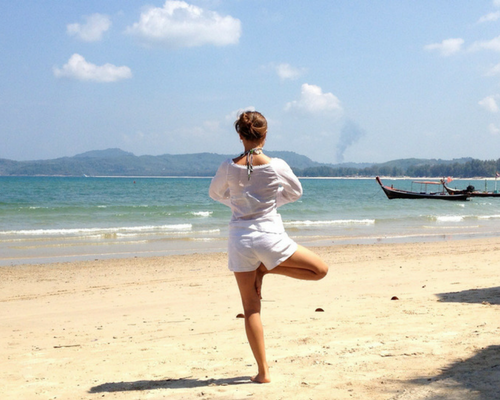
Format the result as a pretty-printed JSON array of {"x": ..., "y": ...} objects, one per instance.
[{"x": 247, "y": 249}]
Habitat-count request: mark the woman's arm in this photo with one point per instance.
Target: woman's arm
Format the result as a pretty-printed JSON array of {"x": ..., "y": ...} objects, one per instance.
[
  {"x": 219, "y": 188},
  {"x": 291, "y": 189}
]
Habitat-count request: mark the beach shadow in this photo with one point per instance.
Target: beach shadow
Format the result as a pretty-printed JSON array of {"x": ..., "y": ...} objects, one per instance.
[
  {"x": 475, "y": 378},
  {"x": 168, "y": 383},
  {"x": 487, "y": 295}
]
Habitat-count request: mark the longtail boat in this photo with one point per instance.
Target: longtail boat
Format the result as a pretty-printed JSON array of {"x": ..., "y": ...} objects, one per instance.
[
  {"x": 471, "y": 191},
  {"x": 393, "y": 193}
]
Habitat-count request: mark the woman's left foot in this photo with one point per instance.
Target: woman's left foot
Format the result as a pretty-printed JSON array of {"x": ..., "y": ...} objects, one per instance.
[{"x": 261, "y": 379}]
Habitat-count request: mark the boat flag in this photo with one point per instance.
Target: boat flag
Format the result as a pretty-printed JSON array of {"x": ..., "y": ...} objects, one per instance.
[
  {"x": 498, "y": 175},
  {"x": 449, "y": 179}
]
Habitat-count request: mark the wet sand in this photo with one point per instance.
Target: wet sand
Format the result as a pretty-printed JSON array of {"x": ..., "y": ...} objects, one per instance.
[{"x": 167, "y": 327}]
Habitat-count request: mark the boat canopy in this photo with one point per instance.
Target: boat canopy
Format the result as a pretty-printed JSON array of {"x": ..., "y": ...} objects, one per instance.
[{"x": 428, "y": 182}]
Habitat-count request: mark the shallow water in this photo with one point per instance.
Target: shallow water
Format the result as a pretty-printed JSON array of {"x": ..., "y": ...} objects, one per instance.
[{"x": 61, "y": 219}]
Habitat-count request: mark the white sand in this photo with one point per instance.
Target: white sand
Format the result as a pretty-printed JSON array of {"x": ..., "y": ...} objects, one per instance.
[{"x": 154, "y": 328}]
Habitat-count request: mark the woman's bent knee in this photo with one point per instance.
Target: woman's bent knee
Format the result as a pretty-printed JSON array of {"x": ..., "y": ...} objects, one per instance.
[{"x": 321, "y": 271}]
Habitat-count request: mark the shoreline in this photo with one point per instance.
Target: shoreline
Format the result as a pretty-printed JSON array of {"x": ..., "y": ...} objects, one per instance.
[
  {"x": 188, "y": 247},
  {"x": 167, "y": 327},
  {"x": 477, "y": 178}
]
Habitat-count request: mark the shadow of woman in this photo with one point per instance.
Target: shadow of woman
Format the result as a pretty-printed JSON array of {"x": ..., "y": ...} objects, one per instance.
[{"x": 168, "y": 383}]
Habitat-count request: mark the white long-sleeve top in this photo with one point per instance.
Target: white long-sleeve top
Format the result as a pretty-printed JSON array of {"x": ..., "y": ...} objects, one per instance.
[{"x": 254, "y": 202}]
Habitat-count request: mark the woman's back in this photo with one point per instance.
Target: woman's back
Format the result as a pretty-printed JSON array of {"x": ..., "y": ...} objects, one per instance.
[{"x": 271, "y": 185}]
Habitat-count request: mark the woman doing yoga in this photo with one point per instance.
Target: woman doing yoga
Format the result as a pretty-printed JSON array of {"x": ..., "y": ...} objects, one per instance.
[{"x": 254, "y": 185}]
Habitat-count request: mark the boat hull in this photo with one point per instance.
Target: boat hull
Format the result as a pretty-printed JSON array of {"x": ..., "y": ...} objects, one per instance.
[
  {"x": 473, "y": 193},
  {"x": 393, "y": 193}
]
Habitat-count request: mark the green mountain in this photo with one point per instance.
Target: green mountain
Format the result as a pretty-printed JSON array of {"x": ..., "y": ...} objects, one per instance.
[
  {"x": 415, "y": 162},
  {"x": 116, "y": 162}
]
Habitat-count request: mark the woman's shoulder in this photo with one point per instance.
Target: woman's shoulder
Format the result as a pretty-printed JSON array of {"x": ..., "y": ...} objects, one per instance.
[
  {"x": 226, "y": 161},
  {"x": 224, "y": 165},
  {"x": 279, "y": 162}
]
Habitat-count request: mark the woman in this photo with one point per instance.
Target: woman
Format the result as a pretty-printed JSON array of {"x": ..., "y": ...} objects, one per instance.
[{"x": 254, "y": 186}]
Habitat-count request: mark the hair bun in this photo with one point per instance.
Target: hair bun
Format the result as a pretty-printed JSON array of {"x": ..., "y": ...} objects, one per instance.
[
  {"x": 251, "y": 125},
  {"x": 245, "y": 121}
]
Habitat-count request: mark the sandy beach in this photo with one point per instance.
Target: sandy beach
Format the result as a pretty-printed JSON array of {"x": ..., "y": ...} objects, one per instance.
[{"x": 399, "y": 321}]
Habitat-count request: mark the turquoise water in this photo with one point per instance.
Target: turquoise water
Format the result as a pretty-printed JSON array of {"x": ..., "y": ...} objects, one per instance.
[{"x": 61, "y": 219}]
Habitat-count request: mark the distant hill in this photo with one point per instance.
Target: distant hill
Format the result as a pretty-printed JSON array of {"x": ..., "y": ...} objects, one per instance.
[
  {"x": 413, "y": 162},
  {"x": 116, "y": 162},
  {"x": 108, "y": 153}
]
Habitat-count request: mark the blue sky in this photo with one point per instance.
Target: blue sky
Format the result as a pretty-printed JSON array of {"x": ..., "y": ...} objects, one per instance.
[{"x": 339, "y": 81}]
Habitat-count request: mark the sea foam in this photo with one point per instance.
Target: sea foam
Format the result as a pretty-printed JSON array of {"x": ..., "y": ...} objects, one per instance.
[
  {"x": 450, "y": 218},
  {"x": 331, "y": 222},
  {"x": 94, "y": 231}
]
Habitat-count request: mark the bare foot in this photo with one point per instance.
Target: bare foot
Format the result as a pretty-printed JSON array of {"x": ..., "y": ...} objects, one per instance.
[
  {"x": 261, "y": 271},
  {"x": 261, "y": 379}
]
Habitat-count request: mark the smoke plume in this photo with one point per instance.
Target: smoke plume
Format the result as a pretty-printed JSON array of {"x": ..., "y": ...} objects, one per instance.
[{"x": 349, "y": 134}]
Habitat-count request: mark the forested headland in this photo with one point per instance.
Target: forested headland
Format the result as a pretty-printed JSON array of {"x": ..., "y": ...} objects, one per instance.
[
  {"x": 418, "y": 168},
  {"x": 116, "y": 162}
]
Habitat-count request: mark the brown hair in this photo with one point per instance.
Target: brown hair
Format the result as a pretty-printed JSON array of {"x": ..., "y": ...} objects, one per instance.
[{"x": 251, "y": 125}]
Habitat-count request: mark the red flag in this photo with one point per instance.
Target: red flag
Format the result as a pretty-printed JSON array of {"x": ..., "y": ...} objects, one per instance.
[
  {"x": 498, "y": 175},
  {"x": 448, "y": 180}
]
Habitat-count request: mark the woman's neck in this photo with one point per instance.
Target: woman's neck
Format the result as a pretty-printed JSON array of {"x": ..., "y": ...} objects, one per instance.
[{"x": 252, "y": 145}]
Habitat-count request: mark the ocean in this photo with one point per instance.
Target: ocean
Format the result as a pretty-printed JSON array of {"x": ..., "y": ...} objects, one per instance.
[{"x": 58, "y": 219}]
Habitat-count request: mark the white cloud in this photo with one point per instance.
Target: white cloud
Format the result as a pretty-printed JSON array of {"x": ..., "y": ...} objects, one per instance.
[
  {"x": 232, "y": 116},
  {"x": 314, "y": 101},
  {"x": 92, "y": 29},
  {"x": 78, "y": 68},
  {"x": 495, "y": 70},
  {"x": 286, "y": 71},
  {"x": 489, "y": 103},
  {"x": 493, "y": 129},
  {"x": 496, "y": 3},
  {"x": 493, "y": 44},
  {"x": 493, "y": 16},
  {"x": 446, "y": 47},
  {"x": 179, "y": 24}
]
